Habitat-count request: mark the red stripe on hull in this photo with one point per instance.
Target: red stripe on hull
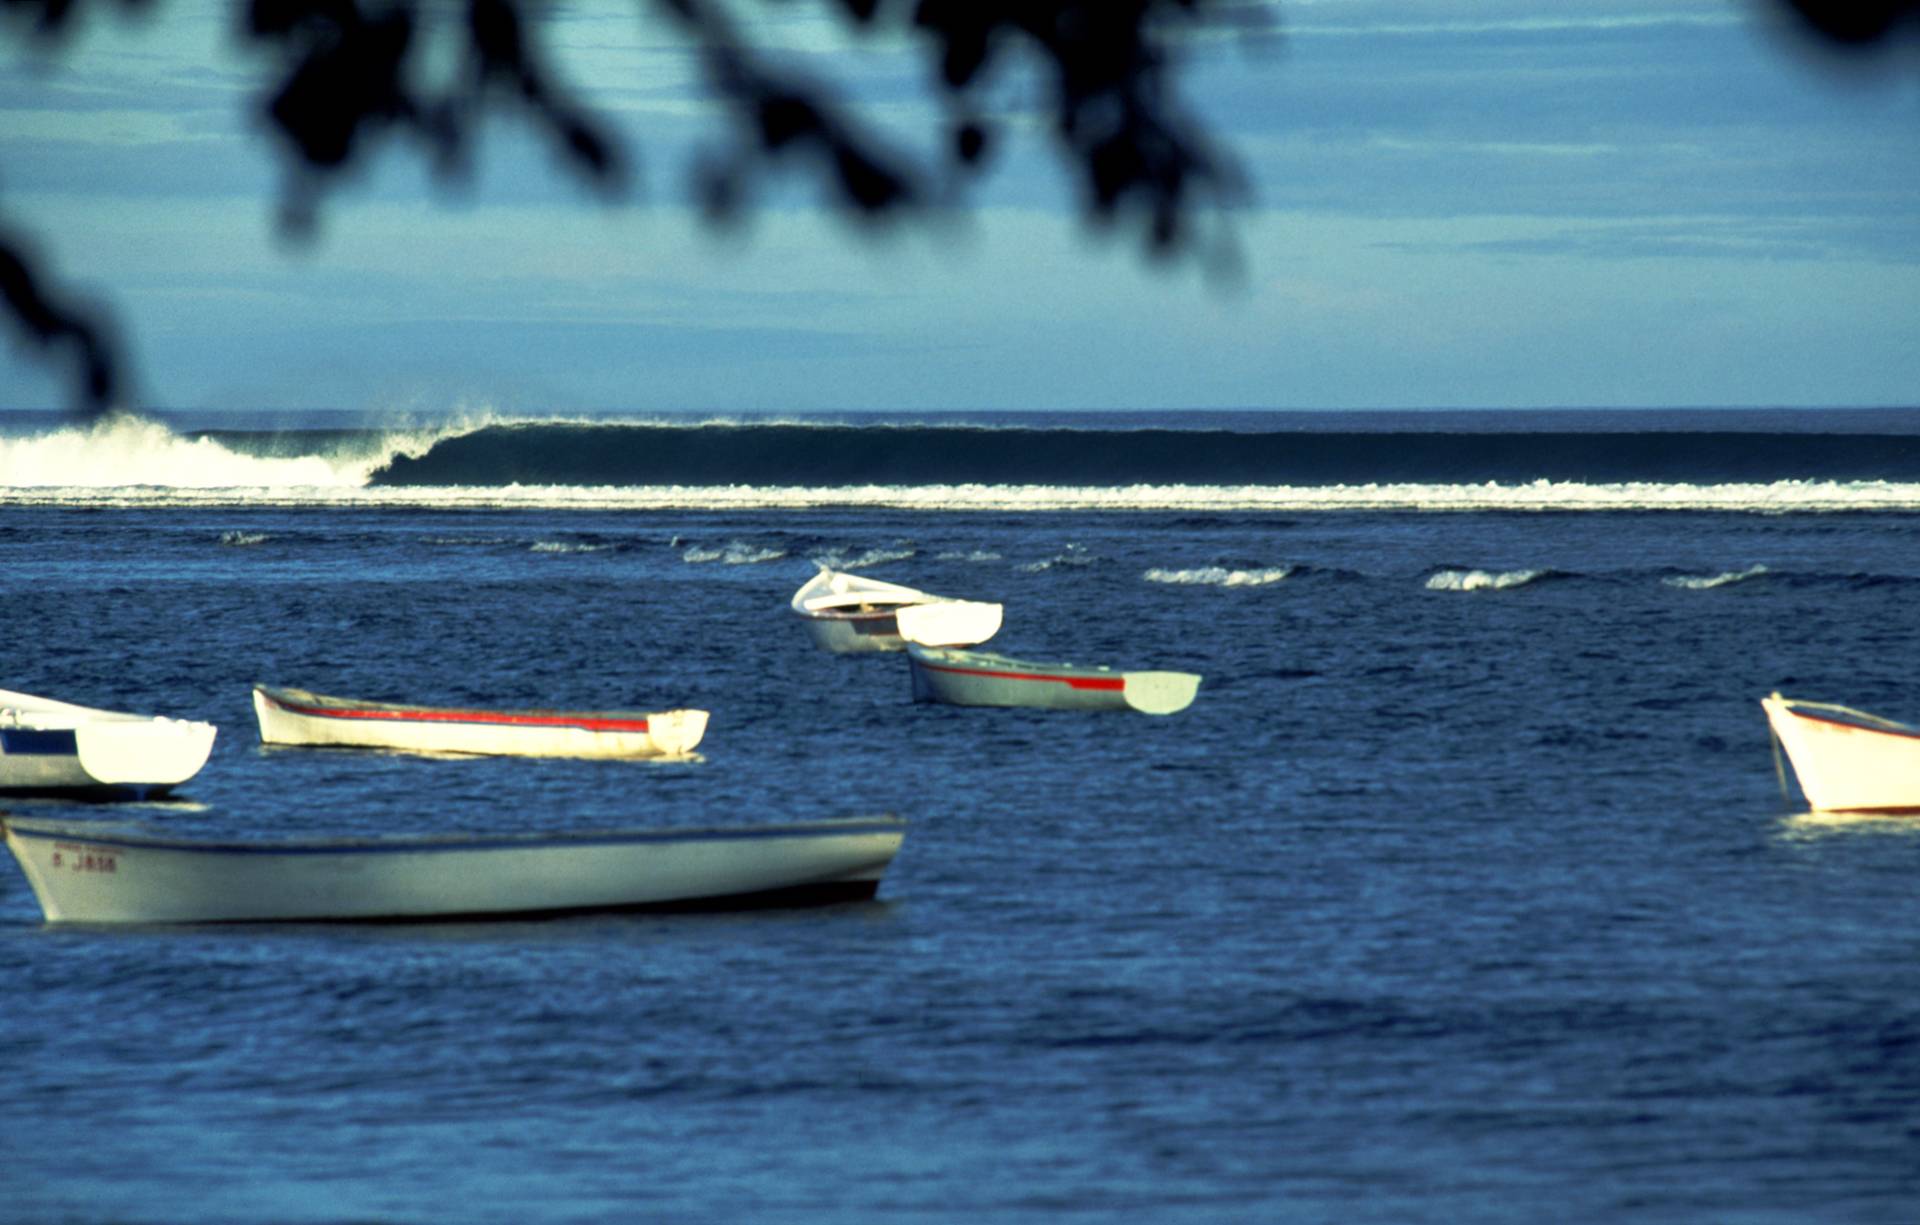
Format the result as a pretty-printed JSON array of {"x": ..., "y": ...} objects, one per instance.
[
  {"x": 1108, "y": 683},
  {"x": 490, "y": 717}
]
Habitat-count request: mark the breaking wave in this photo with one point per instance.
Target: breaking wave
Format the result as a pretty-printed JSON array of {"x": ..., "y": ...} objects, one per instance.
[
  {"x": 122, "y": 452},
  {"x": 486, "y": 462},
  {"x": 832, "y": 454}
]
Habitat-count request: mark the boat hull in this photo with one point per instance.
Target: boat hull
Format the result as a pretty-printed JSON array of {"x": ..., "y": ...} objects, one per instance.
[
  {"x": 853, "y": 633},
  {"x": 296, "y": 717},
  {"x": 1844, "y": 766},
  {"x": 54, "y": 747},
  {"x": 84, "y": 873},
  {"x": 849, "y": 614},
  {"x": 974, "y": 678}
]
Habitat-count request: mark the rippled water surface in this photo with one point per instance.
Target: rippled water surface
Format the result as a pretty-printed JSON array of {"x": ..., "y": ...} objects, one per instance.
[{"x": 1464, "y": 892}]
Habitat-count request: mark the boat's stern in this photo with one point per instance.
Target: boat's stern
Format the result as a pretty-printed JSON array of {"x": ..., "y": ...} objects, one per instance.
[
  {"x": 150, "y": 753},
  {"x": 1161, "y": 693},
  {"x": 949, "y": 623},
  {"x": 675, "y": 732}
]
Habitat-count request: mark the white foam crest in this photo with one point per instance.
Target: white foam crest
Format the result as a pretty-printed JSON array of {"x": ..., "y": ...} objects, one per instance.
[
  {"x": 566, "y": 546},
  {"x": 1072, "y": 555},
  {"x": 1219, "y": 576},
  {"x": 839, "y": 559},
  {"x": 733, "y": 553},
  {"x": 1481, "y": 580},
  {"x": 117, "y": 455},
  {"x": 1709, "y": 582},
  {"x": 1780, "y": 497},
  {"x": 240, "y": 539},
  {"x": 977, "y": 555}
]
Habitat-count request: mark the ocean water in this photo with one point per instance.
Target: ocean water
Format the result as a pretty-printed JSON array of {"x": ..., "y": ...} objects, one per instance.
[{"x": 1466, "y": 890}]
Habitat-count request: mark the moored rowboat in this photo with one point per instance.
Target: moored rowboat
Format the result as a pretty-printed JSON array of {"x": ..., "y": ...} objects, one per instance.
[
  {"x": 982, "y": 678},
  {"x": 295, "y": 716},
  {"x": 49, "y": 746},
  {"x": 89, "y": 872},
  {"x": 847, "y": 613},
  {"x": 1846, "y": 759}
]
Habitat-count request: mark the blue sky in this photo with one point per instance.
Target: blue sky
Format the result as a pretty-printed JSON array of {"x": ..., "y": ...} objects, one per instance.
[{"x": 1456, "y": 203}]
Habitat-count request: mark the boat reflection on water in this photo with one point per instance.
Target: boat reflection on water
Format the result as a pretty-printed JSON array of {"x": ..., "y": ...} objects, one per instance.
[{"x": 1815, "y": 823}]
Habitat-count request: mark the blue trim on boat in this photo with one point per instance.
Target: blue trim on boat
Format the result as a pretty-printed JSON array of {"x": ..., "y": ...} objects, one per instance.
[
  {"x": 452, "y": 842},
  {"x": 38, "y": 742}
]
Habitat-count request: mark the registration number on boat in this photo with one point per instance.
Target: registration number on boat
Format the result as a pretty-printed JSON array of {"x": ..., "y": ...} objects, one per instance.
[{"x": 72, "y": 857}]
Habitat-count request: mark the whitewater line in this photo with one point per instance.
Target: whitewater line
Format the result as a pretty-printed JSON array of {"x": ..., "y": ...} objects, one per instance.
[{"x": 1782, "y": 497}]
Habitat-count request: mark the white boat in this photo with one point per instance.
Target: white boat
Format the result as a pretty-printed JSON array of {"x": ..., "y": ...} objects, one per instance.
[
  {"x": 848, "y": 613},
  {"x": 982, "y": 678},
  {"x": 49, "y": 746},
  {"x": 295, "y": 716},
  {"x": 1846, "y": 759},
  {"x": 91, "y": 872}
]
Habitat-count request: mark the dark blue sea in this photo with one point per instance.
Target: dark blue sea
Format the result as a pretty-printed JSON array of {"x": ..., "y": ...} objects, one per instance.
[{"x": 1466, "y": 891}]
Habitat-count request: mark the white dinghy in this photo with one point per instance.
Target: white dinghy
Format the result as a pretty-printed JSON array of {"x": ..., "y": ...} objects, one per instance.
[
  {"x": 982, "y": 678},
  {"x": 848, "y": 613},
  {"x": 295, "y": 716},
  {"x": 90, "y": 872},
  {"x": 1847, "y": 760},
  {"x": 57, "y": 747}
]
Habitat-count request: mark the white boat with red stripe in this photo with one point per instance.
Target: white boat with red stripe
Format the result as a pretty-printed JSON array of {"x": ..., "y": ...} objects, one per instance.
[
  {"x": 1847, "y": 760},
  {"x": 97, "y": 872},
  {"x": 983, "y": 678},
  {"x": 849, "y": 613},
  {"x": 297, "y": 716}
]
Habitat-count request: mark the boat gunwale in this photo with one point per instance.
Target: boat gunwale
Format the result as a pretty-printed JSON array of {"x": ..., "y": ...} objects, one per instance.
[
  {"x": 1792, "y": 706},
  {"x": 136, "y": 838},
  {"x": 808, "y": 601},
  {"x": 28, "y": 710},
  {"x": 396, "y": 712},
  {"x": 863, "y": 613},
  {"x": 1108, "y": 683}
]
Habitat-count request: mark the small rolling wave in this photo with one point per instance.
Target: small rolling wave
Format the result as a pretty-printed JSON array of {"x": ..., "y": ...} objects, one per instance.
[
  {"x": 1072, "y": 556},
  {"x": 1219, "y": 576},
  {"x": 733, "y": 553},
  {"x": 1483, "y": 580},
  {"x": 1707, "y": 582},
  {"x": 866, "y": 559}
]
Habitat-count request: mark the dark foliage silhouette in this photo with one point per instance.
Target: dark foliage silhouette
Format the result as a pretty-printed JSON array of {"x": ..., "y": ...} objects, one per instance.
[{"x": 345, "y": 78}]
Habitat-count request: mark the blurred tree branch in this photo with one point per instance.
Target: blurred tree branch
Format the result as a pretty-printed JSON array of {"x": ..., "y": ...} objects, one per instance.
[
  {"x": 345, "y": 74},
  {"x": 1856, "y": 24}
]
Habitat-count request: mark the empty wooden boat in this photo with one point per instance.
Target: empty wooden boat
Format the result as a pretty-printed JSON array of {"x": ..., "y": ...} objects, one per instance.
[
  {"x": 1846, "y": 759},
  {"x": 93, "y": 872},
  {"x": 295, "y": 716},
  {"x": 57, "y": 747},
  {"x": 982, "y": 678},
  {"x": 847, "y": 613}
]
